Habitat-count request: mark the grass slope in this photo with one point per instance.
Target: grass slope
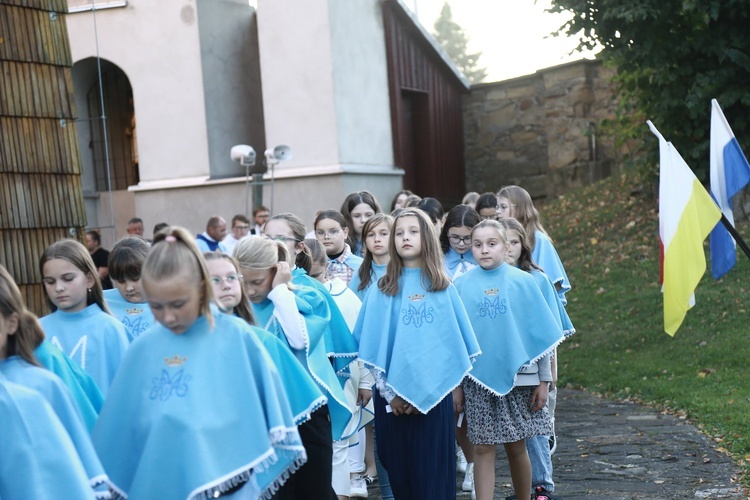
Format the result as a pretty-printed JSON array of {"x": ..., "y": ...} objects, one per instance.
[{"x": 607, "y": 237}]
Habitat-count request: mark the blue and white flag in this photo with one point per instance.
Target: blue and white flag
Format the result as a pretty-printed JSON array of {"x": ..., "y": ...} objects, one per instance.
[{"x": 730, "y": 172}]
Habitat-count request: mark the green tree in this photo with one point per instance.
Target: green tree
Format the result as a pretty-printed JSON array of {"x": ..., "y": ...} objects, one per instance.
[
  {"x": 454, "y": 40},
  {"x": 672, "y": 58}
]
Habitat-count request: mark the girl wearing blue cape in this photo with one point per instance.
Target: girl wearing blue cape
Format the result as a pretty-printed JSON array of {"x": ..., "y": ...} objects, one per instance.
[
  {"x": 540, "y": 448},
  {"x": 348, "y": 454},
  {"x": 297, "y": 316},
  {"x": 197, "y": 408},
  {"x": 303, "y": 393},
  {"x": 19, "y": 331},
  {"x": 415, "y": 336},
  {"x": 506, "y": 392},
  {"x": 377, "y": 232},
  {"x": 357, "y": 209},
  {"x": 126, "y": 300},
  {"x": 80, "y": 323},
  {"x": 86, "y": 395},
  {"x": 289, "y": 229},
  {"x": 37, "y": 458},
  {"x": 515, "y": 201},
  {"x": 455, "y": 240}
]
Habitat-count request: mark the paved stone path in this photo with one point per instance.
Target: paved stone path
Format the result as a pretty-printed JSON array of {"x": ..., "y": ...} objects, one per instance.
[{"x": 621, "y": 450}]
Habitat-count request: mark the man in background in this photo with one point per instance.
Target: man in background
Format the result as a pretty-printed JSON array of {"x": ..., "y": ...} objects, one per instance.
[
  {"x": 260, "y": 217},
  {"x": 135, "y": 226},
  {"x": 99, "y": 255},
  {"x": 240, "y": 229},
  {"x": 210, "y": 240}
]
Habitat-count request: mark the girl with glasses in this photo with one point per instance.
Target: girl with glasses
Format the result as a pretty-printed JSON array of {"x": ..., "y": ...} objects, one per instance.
[
  {"x": 455, "y": 240},
  {"x": 289, "y": 230},
  {"x": 298, "y": 316}
]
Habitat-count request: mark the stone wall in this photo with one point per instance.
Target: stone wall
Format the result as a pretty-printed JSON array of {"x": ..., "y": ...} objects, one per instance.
[{"x": 540, "y": 131}]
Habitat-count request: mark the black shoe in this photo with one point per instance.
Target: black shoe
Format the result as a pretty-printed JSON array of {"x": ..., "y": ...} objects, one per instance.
[{"x": 540, "y": 493}]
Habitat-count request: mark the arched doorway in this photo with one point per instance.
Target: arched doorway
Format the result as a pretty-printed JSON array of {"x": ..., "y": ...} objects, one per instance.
[{"x": 108, "y": 141}]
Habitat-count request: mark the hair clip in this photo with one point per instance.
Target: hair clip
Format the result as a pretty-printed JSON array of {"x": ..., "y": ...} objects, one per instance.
[{"x": 170, "y": 238}]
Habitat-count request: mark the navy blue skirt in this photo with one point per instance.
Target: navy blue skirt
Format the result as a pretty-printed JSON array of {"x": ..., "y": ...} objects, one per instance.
[{"x": 418, "y": 451}]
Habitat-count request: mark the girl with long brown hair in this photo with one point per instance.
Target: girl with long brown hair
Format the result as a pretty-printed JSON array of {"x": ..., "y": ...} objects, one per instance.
[
  {"x": 80, "y": 323},
  {"x": 416, "y": 338}
]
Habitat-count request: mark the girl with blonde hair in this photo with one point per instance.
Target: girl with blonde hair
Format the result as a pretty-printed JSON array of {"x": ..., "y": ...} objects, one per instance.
[
  {"x": 298, "y": 317},
  {"x": 515, "y": 201},
  {"x": 175, "y": 424},
  {"x": 505, "y": 394}
]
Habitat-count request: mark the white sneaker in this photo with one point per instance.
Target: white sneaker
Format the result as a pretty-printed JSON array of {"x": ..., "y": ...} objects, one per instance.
[
  {"x": 552, "y": 402},
  {"x": 460, "y": 459},
  {"x": 468, "y": 484},
  {"x": 552, "y": 440},
  {"x": 357, "y": 487}
]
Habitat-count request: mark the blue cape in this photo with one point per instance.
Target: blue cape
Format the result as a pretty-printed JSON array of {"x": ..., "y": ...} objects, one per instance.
[
  {"x": 545, "y": 256},
  {"x": 377, "y": 271},
  {"x": 197, "y": 413},
  {"x": 456, "y": 263},
  {"x": 339, "y": 343},
  {"x": 553, "y": 301},
  {"x": 92, "y": 338},
  {"x": 512, "y": 321},
  {"x": 303, "y": 393},
  {"x": 46, "y": 383},
  {"x": 314, "y": 309},
  {"x": 82, "y": 387},
  {"x": 422, "y": 342},
  {"x": 37, "y": 457},
  {"x": 137, "y": 318}
]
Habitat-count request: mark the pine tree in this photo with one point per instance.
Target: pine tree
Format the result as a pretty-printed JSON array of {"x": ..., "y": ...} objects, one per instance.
[{"x": 454, "y": 40}]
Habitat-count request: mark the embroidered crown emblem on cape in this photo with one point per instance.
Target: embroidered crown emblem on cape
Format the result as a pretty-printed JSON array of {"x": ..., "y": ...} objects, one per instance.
[{"x": 175, "y": 360}]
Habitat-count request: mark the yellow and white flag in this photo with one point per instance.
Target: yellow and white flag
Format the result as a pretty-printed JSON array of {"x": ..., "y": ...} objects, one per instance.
[{"x": 687, "y": 214}]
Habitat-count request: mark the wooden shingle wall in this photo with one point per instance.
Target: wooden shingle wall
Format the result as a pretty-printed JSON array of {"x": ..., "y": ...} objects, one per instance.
[{"x": 41, "y": 199}]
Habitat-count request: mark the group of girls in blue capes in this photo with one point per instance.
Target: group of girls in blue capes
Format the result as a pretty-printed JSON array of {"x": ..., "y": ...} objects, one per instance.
[{"x": 210, "y": 375}]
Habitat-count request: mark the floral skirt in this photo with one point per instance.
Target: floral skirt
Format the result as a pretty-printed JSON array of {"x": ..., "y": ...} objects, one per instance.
[{"x": 495, "y": 419}]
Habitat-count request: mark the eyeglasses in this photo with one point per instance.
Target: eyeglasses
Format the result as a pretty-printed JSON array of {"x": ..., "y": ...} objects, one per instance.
[
  {"x": 456, "y": 239},
  {"x": 331, "y": 233},
  {"x": 242, "y": 228},
  {"x": 283, "y": 239},
  {"x": 232, "y": 279}
]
